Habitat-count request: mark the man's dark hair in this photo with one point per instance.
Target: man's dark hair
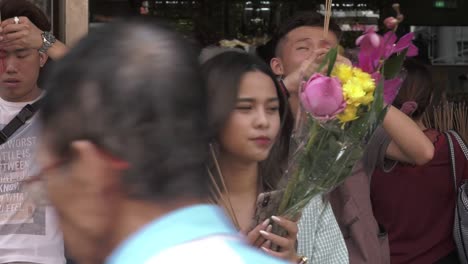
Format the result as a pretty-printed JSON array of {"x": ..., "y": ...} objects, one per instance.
[
  {"x": 300, "y": 19},
  {"x": 12, "y": 8},
  {"x": 135, "y": 90},
  {"x": 267, "y": 51}
]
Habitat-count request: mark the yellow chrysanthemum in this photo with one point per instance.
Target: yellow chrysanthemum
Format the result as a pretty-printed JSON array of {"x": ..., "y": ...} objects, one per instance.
[
  {"x": 343, "y": 72},
  {"x": 358, "y": 86},
  {"x": 367, "y": 99},
  {"x": 358, "y": 72},
  {"x": 365, "y": 79},
  {"x": 349, "y": 114},
  {"x": 353, "y": 92}
]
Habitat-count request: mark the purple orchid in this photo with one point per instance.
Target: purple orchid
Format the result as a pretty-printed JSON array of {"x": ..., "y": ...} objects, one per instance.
[
  {"x": 371, "y": 45},
  {"x": 369, "y": 40},
  {"x": 375, "y": 48},
  {"x": 391, "y": 87},
  {"x": 405, "y": 42},
  {"x": 391, "y": 23}
]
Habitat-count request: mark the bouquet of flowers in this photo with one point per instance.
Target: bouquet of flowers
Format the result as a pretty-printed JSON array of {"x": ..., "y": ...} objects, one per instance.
[{"x": 340, "y": 111}]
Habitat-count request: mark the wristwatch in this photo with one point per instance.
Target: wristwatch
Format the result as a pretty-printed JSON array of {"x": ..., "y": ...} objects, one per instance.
[{"x": 47, "y": 41}]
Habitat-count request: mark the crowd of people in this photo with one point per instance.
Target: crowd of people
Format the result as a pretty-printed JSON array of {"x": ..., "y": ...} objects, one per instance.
[{"x": 133, "y": 148}]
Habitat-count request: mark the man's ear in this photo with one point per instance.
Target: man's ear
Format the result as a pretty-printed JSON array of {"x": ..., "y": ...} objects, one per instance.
[
  {"x": 277, "y": 66},
  {"x": 42, "y": 59},
  {"x": 93, "y": 167}
]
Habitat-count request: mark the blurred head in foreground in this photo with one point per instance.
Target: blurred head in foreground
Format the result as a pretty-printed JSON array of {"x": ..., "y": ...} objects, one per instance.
[{"x": 124, "y": 135}]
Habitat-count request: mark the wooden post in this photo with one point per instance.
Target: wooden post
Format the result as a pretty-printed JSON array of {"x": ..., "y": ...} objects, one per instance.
[{"x": 74, "y": 20}]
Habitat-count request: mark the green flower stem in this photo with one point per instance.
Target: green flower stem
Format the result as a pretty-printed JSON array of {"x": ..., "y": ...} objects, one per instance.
[
  {"x": 297, "y": 178},
  {"x": 288, "y": 192},
  {"x": 313, "y": 134}
]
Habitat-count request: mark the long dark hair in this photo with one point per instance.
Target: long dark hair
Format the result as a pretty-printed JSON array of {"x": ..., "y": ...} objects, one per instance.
[
  {"x": 223, "y": 74},
  {"x": 417, "y": 87}
]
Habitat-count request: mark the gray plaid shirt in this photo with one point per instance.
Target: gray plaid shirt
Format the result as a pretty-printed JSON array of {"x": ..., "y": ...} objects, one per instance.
[{"x": 319, "y": 237}]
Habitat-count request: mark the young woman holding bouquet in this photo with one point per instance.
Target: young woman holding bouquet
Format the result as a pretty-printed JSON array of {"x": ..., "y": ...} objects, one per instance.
[
  {"x": 416, "y": 204},
  {"x": 252, "y": 125}
]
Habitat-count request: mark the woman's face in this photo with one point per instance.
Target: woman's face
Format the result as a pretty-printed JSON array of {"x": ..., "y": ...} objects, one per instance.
[{"x": 254, "y": 124}]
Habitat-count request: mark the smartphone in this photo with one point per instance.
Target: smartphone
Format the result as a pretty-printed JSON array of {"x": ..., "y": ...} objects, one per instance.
[{"x": 267, "y": 205}]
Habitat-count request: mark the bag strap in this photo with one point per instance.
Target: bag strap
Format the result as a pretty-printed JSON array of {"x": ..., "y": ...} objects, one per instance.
[
  {"x": 19, "y": 120},
  {"x": 452, "y": 152},
  {"x": 452, "y": 159},
  {"x": 461, "y": 142}
]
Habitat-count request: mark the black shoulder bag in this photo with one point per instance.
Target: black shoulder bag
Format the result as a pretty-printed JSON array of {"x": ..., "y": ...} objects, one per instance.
[{"x": 460, "y": 227}]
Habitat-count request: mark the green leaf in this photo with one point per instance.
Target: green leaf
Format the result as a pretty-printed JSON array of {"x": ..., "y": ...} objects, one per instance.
[
  {"x": 393, "y": 65},
  {"x": 324, "y": 62},
  {"x": 329, "y": 59},
  {"x": 333, "y": 53},
  {"x": 364, "y": 126}
]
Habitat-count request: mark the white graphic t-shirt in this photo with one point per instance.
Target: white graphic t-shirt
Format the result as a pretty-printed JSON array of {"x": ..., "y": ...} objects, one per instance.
[{"x": 28, "y": 232}]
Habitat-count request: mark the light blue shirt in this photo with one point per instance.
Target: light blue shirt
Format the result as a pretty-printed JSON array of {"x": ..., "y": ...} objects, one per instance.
[{"x": 195, "y": 234}]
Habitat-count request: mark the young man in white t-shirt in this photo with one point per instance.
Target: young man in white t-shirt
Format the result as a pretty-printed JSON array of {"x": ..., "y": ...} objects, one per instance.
[{"x": 29, "y": 231}]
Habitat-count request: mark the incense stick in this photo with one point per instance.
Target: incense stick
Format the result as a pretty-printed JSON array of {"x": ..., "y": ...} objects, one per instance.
[
  {"x": 220, "y": 199},
  {"x": 227, "y": 203},
  {"x": 447, "y": 116},
  {"x": 328, "y": 7}
]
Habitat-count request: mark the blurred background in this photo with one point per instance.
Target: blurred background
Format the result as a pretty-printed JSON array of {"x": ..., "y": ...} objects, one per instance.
[{"x": 440, "y": 27}]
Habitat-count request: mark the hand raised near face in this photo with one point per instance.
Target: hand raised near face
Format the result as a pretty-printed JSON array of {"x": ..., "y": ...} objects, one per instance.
[
  {"x": 308, "y": 67},
  {"x": 21, "y": 35}
]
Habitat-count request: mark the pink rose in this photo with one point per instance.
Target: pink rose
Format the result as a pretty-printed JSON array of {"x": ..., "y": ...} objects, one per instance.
[
  {"x": 322, "y": 97},
  {"x": 390, "y": 22}
]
